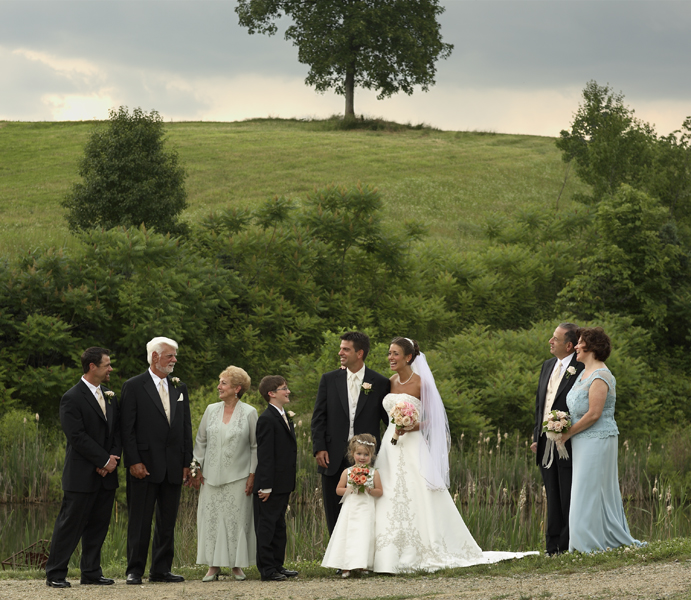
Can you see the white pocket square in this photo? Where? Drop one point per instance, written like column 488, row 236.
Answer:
column 180, row 399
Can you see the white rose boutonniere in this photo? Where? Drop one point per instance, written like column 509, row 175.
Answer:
column 366, row 387
column 570, row 371
column 109, row 394
column 175, row 381
column 290, row 414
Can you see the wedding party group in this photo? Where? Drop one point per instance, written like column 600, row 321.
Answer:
column 386, row 498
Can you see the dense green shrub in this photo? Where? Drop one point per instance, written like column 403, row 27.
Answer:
column 128, row 177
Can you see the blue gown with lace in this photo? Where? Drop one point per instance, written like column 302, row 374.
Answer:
column 596, row 519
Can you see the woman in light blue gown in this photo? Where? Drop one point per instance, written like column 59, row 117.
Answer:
column 596, row 519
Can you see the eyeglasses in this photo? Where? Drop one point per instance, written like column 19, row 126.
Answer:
column 282, row 389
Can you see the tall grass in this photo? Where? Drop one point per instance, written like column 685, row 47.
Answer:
column 30, row 465
column 495, row 484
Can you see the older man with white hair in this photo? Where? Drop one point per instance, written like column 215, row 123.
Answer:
column 156, row 434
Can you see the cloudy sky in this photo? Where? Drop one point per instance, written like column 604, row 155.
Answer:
column 518, row 65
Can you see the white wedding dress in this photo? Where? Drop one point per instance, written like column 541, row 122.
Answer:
column 417, row 528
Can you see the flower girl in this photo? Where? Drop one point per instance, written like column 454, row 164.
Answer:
column 352, row 542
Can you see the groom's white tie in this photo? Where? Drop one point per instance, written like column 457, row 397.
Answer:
column 353, row 395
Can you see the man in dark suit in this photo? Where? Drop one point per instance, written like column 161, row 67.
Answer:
column 349, row 402
column 90, row 420
column 157, row 441
column 556, row 379
column 274, row 479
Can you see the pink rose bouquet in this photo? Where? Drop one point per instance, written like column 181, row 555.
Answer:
column 405, row 417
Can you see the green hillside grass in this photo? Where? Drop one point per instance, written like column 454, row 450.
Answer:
column 450, row 181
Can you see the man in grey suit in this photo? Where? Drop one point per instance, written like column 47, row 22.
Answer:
column 557, row 377
column 90, row 420
column 157, row 441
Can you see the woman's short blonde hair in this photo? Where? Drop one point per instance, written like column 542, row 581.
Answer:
column 237, row 376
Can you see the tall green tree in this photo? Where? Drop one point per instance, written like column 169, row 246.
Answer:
column 386, row 45
column 128, row 177
column 607, row 143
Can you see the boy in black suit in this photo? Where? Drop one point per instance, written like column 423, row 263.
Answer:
column 274, row 479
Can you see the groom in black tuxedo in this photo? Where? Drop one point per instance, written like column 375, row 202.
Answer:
column 556, row 379
column 274, row 479
column 90, row 420
column 349, row 402
column 157, row 441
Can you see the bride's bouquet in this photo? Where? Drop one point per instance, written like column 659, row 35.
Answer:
column 557, row 422
column 404, row 416
column 360, row 478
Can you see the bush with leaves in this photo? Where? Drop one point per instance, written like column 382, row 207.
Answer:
column 637, row 268
column 128, row 177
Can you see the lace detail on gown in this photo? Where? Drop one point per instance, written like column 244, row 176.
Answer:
column 416, row 528
column 578, row 403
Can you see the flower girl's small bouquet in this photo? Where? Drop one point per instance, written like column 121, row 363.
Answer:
column 360, row 478
column 404, row 416
column 557, row 422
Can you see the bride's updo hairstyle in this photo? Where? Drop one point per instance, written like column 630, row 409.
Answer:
column 408, row 347
column 596, row 341
column 366, row 440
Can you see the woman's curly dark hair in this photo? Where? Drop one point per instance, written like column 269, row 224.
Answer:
column 596, row 341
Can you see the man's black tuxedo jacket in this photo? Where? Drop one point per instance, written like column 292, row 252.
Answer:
column 331, row 416
column 91, row 439
column 147, row 437
column 565, row 385
column 277, row 452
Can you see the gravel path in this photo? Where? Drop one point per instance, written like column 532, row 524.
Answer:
column 646, row 582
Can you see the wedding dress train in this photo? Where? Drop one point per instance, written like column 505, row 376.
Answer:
column 417, row 528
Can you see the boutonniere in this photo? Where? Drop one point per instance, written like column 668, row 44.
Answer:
column 175, row 381
column 366, row 387
column 109, row 394
column 570, row 371
column 290, row 414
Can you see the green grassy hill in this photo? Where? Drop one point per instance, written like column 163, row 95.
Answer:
column 449, row 180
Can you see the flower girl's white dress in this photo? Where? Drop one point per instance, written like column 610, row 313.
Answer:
column 352, row 541
column 418, row 528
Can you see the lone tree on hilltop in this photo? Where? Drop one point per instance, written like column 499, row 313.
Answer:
column 386, row 45
column 128, row 177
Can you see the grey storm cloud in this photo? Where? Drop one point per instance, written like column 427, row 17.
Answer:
column 517, row 46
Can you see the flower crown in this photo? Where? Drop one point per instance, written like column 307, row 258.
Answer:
column 364, row 442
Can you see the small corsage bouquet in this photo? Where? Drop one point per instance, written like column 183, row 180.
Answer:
column 175, row 381
column 404, row 416
column 109, row 394
column 360, row 478
column 570, row 371
column 557, row 422
column 366, row 387
column 195, row 467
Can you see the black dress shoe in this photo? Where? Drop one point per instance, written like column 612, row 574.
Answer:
column 165, row 578
column 100, row 581
column 274, row 577
column 133, row 579
column 58, row 583
column 289, row 573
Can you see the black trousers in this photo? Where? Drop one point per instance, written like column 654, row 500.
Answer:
column 85, row 516
column 142, row 498
column 557, row 480
column 270, row 529
column 332, row 501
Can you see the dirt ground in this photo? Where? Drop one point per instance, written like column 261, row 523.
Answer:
column 666, row 580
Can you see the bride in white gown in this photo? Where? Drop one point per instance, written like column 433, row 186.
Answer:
column 417, row 525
